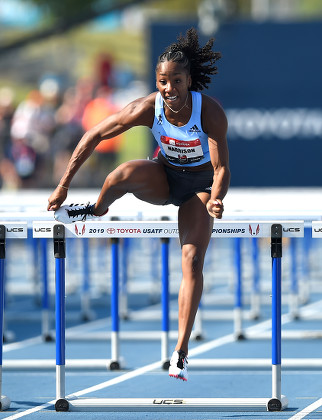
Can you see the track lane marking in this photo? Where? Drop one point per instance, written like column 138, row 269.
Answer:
column 307, row 410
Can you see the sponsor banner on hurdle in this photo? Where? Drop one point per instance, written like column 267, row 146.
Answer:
column 15, row 230
column 166, row 229
column 316, row 229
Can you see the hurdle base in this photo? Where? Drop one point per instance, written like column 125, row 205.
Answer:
column 240, row 336
column 4, row 403
column 48, row 338
column 62, row 405
column 166, row 364
column 177, row 404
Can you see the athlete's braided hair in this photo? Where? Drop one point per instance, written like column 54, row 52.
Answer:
column 198, row 61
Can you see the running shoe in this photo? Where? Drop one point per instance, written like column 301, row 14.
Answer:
column 75, row 213
column 178, row 365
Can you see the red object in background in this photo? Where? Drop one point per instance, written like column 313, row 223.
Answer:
column 96, row 111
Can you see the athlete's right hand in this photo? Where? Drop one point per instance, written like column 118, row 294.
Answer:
column 57, row 198
column 215, row 208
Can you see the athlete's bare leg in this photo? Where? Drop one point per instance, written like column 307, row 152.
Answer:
column 146, row 179
column 195, row 227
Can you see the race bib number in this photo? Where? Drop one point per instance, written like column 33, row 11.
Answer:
column 182, row 152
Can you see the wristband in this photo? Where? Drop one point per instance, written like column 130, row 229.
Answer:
column 62, row 186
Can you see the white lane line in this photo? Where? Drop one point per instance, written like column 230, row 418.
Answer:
column 22, row 344
column 94, row 388
column 307, row 410
column 30, row 411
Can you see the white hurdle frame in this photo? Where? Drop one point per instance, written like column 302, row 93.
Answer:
column 275, row 230
column 15, row 230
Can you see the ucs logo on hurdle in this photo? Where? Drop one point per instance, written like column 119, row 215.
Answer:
column 168, row 401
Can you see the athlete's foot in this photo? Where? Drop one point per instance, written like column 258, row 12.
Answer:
column 76, row 213
column 178, row 365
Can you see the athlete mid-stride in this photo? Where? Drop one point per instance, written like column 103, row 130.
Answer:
column 190, row 171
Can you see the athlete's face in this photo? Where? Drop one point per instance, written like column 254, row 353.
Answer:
column 173, row 82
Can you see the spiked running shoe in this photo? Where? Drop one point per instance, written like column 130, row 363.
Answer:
column 178, row 365
column 76, row 213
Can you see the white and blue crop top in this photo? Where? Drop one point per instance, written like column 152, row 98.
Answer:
column 186, row 145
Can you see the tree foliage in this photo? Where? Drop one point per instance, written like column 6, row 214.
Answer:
column 57, row 9
column 66, row 15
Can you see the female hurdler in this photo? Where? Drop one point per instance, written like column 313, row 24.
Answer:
column 191, row 170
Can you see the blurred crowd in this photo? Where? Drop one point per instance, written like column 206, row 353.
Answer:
column 38, row 135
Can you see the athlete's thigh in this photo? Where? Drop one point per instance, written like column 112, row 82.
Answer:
column 147, row 180
column 195, row 223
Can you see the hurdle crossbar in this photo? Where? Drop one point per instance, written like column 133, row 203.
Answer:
column 165, row 229
column 194, row 363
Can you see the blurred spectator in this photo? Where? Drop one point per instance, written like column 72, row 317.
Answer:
column 38, row 136
column 9, row 178
column 69, row 128
column 105, row 70
column 32, row 126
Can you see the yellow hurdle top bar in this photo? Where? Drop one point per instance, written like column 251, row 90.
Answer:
column 167, row 229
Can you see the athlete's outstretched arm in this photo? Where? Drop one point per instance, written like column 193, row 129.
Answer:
column 138, row 112
column 215, row 124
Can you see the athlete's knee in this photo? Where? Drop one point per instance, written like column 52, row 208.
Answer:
column 192, row 258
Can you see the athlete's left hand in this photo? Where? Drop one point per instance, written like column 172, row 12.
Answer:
column 215, row 208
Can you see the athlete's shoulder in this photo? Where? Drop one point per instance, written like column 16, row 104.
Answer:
column 210, row 101
column 212, row 105
column 145, row 103
column 212, row 112
column 140, row 111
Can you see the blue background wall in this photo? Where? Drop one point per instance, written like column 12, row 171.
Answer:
column 270, row 85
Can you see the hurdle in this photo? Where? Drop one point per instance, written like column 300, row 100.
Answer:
column 28, row 217
column 312, row 312
column 216, row 314
column 7, row 230
column 40, row 252
column 44, row 229
column 293, row 297
column 114, row 230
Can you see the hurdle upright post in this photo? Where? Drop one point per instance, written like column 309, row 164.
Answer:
column 165, row 302
column 294, row 294
column 115, row 339
column 238, row 329
column 60, row 255
column 5, row 402
column 276, row 254
column 45, row 330
column 123, row 310
column 86, row 313
column 255, row 298
column 115, row 317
